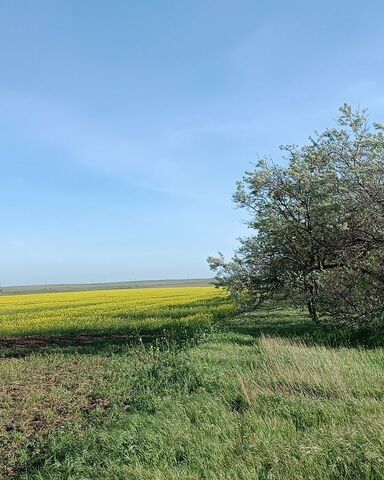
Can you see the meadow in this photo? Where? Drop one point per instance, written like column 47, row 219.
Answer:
column 170, row 384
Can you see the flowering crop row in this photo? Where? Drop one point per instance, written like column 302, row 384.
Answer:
column 111, row 311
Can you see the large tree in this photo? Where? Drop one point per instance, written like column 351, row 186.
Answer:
column 317, row 225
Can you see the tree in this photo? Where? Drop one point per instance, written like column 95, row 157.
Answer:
column 317, row 225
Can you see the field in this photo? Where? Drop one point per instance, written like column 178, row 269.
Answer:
column 80, row 287
column 141, row 311
column 169, row 384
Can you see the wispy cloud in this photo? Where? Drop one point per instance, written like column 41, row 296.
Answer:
column 167, row 158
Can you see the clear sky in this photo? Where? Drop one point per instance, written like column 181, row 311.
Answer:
column 125, row 124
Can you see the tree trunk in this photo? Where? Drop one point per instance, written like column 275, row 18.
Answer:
column 311, row 303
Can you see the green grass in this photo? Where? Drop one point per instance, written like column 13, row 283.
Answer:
column 265, row 396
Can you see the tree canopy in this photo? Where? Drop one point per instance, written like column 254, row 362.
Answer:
column 317, row 226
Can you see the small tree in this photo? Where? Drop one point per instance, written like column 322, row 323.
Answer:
column 318, row 225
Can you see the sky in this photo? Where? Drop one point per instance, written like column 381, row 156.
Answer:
column 125, row 124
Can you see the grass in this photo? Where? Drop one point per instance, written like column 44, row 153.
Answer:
column 262, row 396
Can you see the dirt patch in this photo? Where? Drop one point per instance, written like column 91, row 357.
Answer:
column 39, row 341
column 41, row 397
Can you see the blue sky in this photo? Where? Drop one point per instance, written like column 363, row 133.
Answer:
column 125, row 124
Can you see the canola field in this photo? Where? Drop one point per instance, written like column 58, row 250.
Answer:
column 147, row 311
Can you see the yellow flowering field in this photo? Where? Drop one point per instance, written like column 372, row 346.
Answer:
column 111, row 311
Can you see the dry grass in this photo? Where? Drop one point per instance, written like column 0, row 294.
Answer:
column 293, row 368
